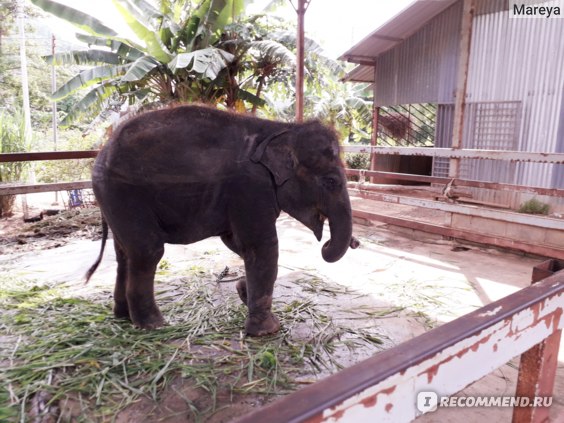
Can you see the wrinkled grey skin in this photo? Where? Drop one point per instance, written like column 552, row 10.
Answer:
column 184, row 174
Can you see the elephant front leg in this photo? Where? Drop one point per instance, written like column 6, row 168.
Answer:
column 261, row 266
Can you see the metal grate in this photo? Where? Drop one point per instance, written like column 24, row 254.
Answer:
column 407, row 125
column 491, row 126
column 443, row 138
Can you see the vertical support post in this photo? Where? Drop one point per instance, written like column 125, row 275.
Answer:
column 375, row 123
column 25, row 94
column 23, row 65
column 461, row 83
column 537, row 369
column 54, row 103
column 300, row 10
column 53, row 89
column 374, row 141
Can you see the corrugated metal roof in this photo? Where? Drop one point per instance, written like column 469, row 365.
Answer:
column 396, row 30
column 361, row 73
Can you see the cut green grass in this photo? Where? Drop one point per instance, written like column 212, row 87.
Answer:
column 71, row 350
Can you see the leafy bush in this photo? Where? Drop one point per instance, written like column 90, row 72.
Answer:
column 534, row 206
column 69, row 170
column 12, row 139
column 357, row 161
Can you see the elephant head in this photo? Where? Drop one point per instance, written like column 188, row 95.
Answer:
column 310, row 181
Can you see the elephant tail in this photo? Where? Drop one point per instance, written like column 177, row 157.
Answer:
column 99, row 259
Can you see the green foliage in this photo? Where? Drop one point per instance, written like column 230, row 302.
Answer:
column 204, row 51
column 10, row 80
column 326, row 97
column 357, row 161
column 69, row 170
column 534, row 206
column 181, row 55
column 12, row 140
column 164, row 264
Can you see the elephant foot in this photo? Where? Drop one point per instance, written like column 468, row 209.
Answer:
column 148, row 320
column 121, row 310
column 262, row 324
column 242, row 290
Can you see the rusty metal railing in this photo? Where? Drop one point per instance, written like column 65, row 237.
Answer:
column 443, row 360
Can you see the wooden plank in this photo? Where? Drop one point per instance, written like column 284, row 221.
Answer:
column 460, row 182
column 461, row 83
column 468, row 210
column 515, row 156
column 47, row 155
column 385, row 387
column 496, row 241
column 14, row 189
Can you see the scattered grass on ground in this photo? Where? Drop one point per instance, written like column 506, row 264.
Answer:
column 60, row 349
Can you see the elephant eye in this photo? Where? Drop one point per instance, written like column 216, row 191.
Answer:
column 330, row 183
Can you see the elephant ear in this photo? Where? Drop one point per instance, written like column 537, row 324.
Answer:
column 277, row 155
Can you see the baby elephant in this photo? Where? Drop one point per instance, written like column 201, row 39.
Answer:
column 183, row 174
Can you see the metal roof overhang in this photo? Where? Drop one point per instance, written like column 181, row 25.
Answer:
column 393, row 32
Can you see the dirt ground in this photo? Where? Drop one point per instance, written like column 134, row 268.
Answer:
column 431, row 280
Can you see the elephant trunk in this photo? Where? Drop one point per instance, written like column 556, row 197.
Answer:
column 340, row 224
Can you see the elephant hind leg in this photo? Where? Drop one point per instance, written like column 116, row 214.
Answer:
column 121, row 310
column 140, row 291
column 242, row 289
column 241, row 286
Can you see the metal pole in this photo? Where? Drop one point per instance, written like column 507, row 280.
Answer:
column 461, row 83
column 25, row 95
column 53, row 89
column 23, row 64
column 54, row 104
column 300, row 10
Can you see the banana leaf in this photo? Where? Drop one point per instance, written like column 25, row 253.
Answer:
column 155, row 46
column 88, row 78
column 127, row 50
column 251, row 98
column 92, row 103
column 83, row 57
column 274, row 51
column 207, row 62
column 139, row 69
column 77, row 18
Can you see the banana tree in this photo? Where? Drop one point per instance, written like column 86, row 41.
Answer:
column 177, row 55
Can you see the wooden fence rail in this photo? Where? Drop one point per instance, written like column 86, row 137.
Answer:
column 455, row 153
column 47, row 155
column 399, row 384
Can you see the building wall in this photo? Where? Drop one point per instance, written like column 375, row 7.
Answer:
column 422, row 69
column 521, row 60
